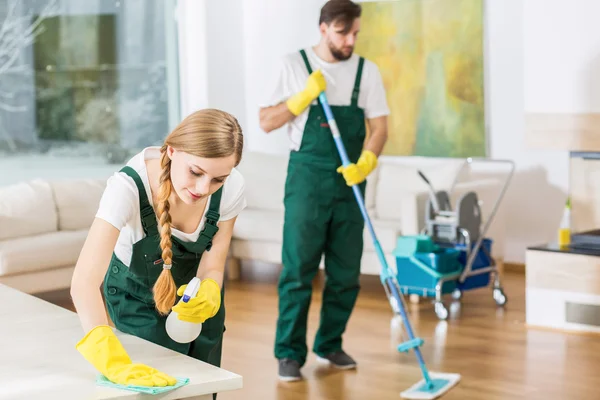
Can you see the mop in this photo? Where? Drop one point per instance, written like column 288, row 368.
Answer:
column 433, row 384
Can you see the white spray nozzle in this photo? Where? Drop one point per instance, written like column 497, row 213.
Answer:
column 191, row 290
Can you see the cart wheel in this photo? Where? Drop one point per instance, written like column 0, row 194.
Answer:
column 499, row 297
column 440, row 310
column 457, row 294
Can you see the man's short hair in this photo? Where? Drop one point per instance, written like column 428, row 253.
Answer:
column 344, row 11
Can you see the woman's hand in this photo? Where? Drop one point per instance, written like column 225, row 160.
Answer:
column 101, row 348
column 203, row 306
column 207, row 301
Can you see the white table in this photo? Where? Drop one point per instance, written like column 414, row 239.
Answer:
column 38, row 359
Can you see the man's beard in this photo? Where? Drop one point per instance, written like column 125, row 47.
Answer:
column 339, row 54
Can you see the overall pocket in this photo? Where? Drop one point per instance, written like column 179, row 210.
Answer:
column 125, row 294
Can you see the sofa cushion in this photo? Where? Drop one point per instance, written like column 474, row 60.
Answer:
column 77, row 202
column 264, row 175
column 262, row 225
column 27, row 209
column 45, row 251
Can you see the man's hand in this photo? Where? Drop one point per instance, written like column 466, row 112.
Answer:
column 357, row 173
column 315, row 84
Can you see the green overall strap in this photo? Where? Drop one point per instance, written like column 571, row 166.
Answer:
column 146, row 211
column 356, row 89
column 303, row 53
column 212, row 217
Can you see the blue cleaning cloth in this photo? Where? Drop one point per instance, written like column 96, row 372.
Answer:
column 102, row 381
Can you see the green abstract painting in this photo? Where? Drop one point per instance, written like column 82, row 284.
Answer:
column 430, row 54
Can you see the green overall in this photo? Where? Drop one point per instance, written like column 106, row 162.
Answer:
column 321, row 217
column 128, row 290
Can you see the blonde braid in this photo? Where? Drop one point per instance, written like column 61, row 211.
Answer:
column 206, row 133
column 165, row 290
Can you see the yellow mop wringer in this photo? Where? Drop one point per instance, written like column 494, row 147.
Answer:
column 433, row 384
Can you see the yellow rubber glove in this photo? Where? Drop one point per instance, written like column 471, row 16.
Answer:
column 357, row 173
column 202, row 307
column 315, row 84
column 101, row 348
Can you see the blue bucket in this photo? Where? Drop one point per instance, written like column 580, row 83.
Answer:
column 482, row 260
column 420, row 272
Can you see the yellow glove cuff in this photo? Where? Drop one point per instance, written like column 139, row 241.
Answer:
column 101, row 348
column 298, row 102
column 208, row 282
column 367, row 161
column 212, row 287
column 95, row 334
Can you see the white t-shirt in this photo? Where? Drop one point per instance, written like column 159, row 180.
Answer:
column 120, row 205
column 291, row 76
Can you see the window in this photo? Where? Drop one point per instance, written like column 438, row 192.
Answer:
column 84, row 85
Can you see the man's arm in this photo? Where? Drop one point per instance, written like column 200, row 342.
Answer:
column 275, row 117
column 378, row 129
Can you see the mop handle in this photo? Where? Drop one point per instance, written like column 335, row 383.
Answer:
column 387, row 277
column 361, row 203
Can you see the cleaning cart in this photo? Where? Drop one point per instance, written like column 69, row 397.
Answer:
column 452, row 255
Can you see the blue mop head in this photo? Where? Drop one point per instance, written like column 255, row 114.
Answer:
column 441, row 384
column 102, row 381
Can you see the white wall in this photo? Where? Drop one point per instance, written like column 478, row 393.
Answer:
column 562, row 62
column 538, row 189
column 561, row 76
column 272, row 28
column 532, row 65
column 226, row 66
column 193, row 54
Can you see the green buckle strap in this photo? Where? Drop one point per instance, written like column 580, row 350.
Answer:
column 148, row 220
column 210, row 228
column 212, row 218
column 146, row 211
column 356, row 90
column 208, row 233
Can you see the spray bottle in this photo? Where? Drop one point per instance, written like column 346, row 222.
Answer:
column 564, row 233
column 183, row 331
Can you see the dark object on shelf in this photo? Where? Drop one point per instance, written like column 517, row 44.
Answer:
column 586, row 240
column 556, row 248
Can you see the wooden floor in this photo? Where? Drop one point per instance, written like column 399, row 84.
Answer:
column 497, row 356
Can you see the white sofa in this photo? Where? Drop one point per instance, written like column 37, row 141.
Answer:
column 44, row 223
column 395, row 200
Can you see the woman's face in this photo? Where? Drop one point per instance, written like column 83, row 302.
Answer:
column 195, row 178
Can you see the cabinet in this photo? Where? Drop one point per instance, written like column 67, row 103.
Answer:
column 563, row 288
